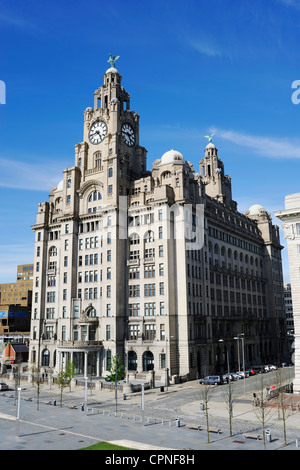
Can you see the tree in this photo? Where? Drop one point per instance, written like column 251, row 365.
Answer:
column 281, row 403
column 64, row 378
column 229, row 399
column 116, row 370
column 261, row 409
column 70, row 372
column 38, row 382
column 116, row 374
column 205, row 395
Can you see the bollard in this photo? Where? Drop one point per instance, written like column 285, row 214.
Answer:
column 177, row 422
column 268, row 435
column 54, row 402
column 81, row 407
column 124, row 396
column 201, row 405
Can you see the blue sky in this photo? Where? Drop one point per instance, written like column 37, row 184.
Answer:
column 190, row 67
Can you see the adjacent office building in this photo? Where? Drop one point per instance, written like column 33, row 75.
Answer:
column 290, row 217
column 158, row 266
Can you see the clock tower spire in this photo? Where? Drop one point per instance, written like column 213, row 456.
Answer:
column 111, row 138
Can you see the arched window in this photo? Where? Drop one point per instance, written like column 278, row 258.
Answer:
column 95, row 196
column 149, row 236
column 132, row 360
column 46, row 358
column 92, row 313
column 148, row 361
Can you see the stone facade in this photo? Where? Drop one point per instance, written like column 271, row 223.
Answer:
column 290, row 218
column 157, row 265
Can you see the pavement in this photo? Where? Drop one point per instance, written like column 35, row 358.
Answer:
column 169, row 422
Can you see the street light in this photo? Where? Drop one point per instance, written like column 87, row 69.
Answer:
column 240, row 336
column 229, row 384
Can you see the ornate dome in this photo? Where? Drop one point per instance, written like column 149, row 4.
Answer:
column 256, row 209
column 210, row 146
column 171, row 156
column 60, row 186
column 112, row 70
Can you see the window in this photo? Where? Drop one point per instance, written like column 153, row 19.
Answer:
column 110, row 172
column 134, row 310
column 149, row 236
column 149, row 271
column 51, row 296
column 150, row 332
column 161, row 308
column 134, row 272
column 161, row 250
column 107, row 332
column 150, row 309
column 98, row 159
column 110, row 189
column 108, row 310
column 133, row 331
column 149, row 290
column 149, row 253
column 162, row 333
column 161, row 288
column 134, row 291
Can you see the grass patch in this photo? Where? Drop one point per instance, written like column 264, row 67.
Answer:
column 106, row 446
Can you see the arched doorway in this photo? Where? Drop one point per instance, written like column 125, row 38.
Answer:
column 148, row 361
column 132, row 360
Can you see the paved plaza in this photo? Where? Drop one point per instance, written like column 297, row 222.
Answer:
column 169, row 421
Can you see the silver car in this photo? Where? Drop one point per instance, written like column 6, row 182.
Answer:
column 3, row 386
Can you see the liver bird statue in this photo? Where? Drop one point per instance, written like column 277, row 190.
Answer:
column 112, row 59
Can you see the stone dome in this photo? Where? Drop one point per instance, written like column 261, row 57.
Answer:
column 112, row 70
column 256, row 209
column 171, row 156
column 60, row 186
column 210, row 146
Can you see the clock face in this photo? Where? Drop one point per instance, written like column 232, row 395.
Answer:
column 97, row 132
column 128, row 135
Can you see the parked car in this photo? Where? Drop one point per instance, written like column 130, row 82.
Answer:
column 272, row 367
column 258, row 369
column 242, row 374
column 212, row 380
column 3, row 386
column 251, row 371
column 227, row 377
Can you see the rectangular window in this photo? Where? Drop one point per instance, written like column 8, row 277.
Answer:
column 134, row 291
column 134, row 310
column 150, row 332
column 150, row 309
column 107, row 332
column 149, row 290
column 133, row 332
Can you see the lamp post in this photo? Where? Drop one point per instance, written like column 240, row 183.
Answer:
column 229, row 384
column 18, row 411
column 240, row 336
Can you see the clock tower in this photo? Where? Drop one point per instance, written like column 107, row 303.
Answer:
column 111, row 140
